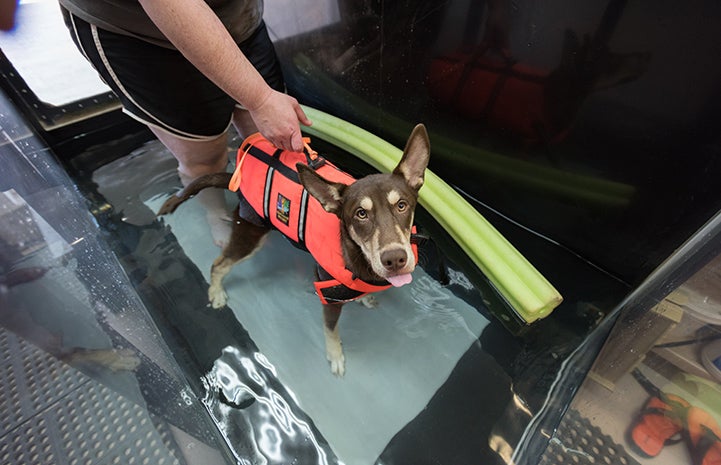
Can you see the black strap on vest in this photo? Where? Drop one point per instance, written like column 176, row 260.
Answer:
column 273, row 160
column 341, row 293
column 276, row 166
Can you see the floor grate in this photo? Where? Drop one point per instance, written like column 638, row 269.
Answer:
column 53, row 414
column 579, row 442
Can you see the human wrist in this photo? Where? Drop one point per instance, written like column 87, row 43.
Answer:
column 258, row 99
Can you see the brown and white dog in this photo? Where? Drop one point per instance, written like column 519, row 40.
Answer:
column 374, row 217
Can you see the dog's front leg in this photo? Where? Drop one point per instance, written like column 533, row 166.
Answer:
column 333, row 346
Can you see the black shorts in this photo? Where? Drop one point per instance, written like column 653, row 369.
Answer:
column 159, row 87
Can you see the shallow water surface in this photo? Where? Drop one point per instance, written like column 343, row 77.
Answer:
column 430, row 374
column 397, row 355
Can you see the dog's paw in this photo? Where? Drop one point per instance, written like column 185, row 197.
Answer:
column 217, row 296
column 369, row 301
column 337, row 364
column 334, row 351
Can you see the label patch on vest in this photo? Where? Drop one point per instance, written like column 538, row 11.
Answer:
column 282, row 209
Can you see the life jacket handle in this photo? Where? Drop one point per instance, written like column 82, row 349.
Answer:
column 234, row 184
column 315, row 161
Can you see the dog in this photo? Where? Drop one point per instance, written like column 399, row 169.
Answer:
column 365, row 244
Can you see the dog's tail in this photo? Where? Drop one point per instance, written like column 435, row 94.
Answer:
column 219, row 180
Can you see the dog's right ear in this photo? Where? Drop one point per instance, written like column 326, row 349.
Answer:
column 415, row 158
column 329, row 194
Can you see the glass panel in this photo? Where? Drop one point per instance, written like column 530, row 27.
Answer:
column 85, row 373
column 654, row 392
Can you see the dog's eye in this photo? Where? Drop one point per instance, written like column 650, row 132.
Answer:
column 361, row 214
column 402, row 205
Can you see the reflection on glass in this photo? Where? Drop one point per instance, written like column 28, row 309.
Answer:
column 655, row 390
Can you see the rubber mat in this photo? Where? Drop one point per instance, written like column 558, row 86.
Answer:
column 579, row 442
column 53, row 414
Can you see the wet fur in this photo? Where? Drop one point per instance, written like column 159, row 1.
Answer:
column 375, row 240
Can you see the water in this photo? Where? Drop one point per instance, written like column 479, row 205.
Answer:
column 428, row 373
column 398, row 355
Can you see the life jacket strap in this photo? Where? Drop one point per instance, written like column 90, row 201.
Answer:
column 234, row 184
column 333, row 292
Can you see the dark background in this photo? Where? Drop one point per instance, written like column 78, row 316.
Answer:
column 627, row 96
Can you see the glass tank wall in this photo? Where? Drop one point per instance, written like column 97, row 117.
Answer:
column 593, row 123
column 586, row 133
column 86, row 374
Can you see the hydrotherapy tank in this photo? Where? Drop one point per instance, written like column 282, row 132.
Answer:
column 587, row 134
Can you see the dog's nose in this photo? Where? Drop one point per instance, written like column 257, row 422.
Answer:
column 394, row 259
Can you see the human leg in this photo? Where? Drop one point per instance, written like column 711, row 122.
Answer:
column 184, row 110
column 196, row 158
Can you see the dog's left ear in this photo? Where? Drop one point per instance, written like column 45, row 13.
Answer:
column 328, row 193
column 415, row 157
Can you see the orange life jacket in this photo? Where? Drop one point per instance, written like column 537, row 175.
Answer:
column 268, row 181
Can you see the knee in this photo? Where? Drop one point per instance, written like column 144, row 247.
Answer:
column 201, row 164
column 197, row 159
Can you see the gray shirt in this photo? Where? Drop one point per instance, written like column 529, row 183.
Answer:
column 240, row 17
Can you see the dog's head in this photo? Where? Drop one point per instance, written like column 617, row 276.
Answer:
column 376, row 211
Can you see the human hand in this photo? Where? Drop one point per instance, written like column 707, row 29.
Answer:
column 278, row 119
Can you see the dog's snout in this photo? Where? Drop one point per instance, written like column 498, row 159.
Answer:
column 394, row 259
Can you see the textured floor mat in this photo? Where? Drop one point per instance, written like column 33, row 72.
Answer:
column 579, row 442
column 53, row 414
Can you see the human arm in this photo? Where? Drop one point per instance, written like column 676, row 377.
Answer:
column 201, row 37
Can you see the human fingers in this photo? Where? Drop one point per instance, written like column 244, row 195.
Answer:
column 302, row 118
column 296, row 142
column 279, row 119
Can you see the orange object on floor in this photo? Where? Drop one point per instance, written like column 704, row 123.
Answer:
column 657, row 424
column 704, row 437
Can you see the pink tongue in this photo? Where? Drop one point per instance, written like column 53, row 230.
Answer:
column 400, row 279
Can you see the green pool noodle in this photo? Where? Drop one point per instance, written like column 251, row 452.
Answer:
column 523, row 287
